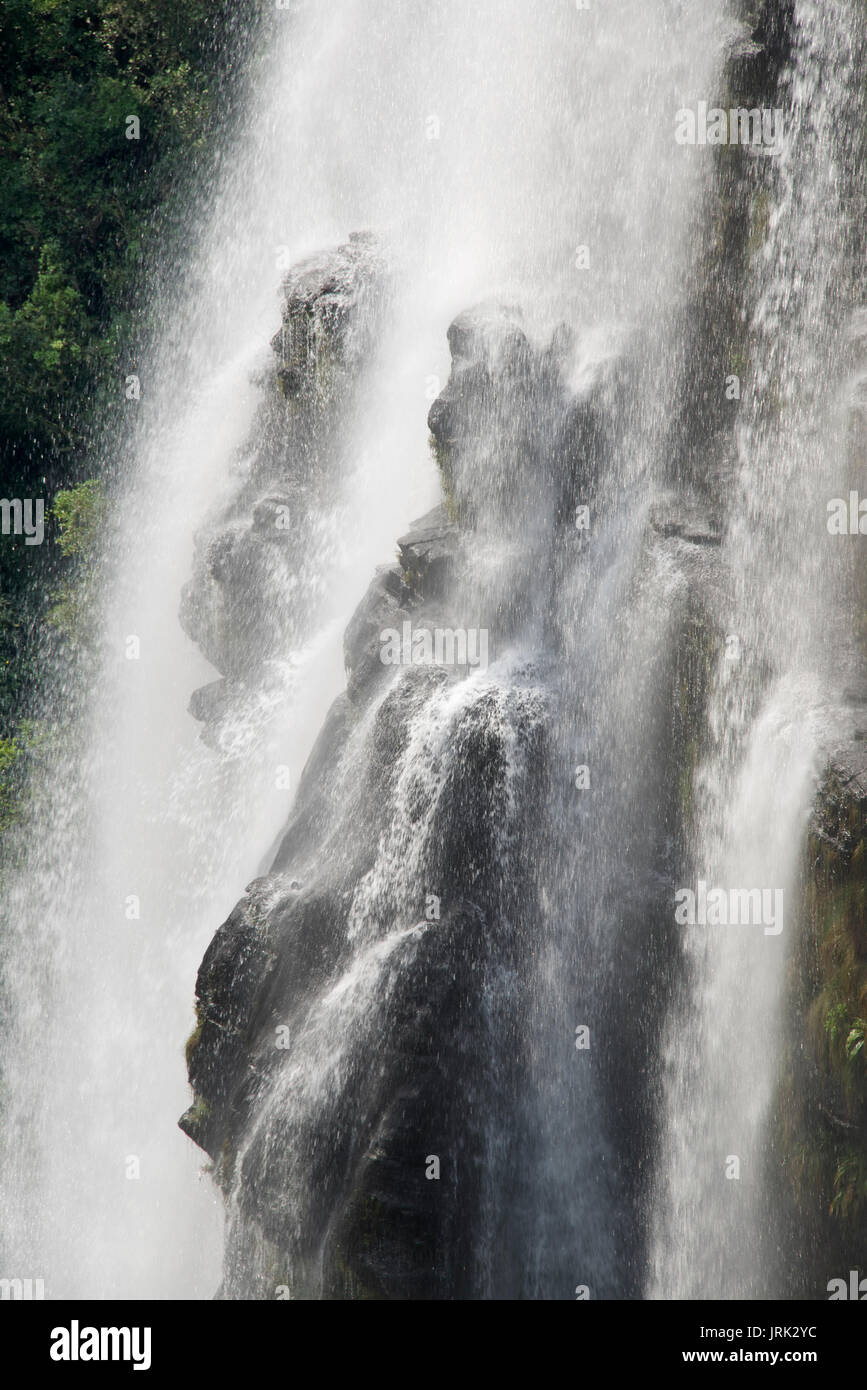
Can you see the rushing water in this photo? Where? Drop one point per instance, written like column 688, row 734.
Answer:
column 526, row 167
column 492, row 156
column 776, row 685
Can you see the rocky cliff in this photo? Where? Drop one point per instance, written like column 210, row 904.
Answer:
column 368, row 1073
column 361, row 1051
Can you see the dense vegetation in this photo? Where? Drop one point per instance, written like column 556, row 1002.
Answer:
column 83, row 208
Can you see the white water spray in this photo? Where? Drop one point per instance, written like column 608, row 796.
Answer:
column 713, row 1236
column 485, row 152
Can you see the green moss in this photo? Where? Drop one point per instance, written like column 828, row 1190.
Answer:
column 824, row 1096
column 685, row 781
column 740, row 363
column 327, row 375
column 194, row 1038
column 849, row 1199
column 443, row 458
column 197, row 1123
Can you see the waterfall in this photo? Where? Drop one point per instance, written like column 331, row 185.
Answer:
column 788, row 654
column 397, row 809
column 142, row 836
column 441, row 363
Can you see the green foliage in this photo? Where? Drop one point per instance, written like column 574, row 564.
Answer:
column 82, row 211
column 80, row 513
column 10, row 754
column 835, row 1023
column 79, row 201
column 759, row 222
column 849, row 1200
column 44, row 346
column 16, row 755
column 846, row 1056
column 194, row 1038
column 827, row 1088
column 444, row 462
column 855, row 1042
column 11, row 648
column 68, row 612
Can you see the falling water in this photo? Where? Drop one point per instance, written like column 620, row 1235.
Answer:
column 532, row 163
column 788, row 652
column 525, row 168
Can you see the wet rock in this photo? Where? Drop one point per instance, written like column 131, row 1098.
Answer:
column 585, row 441
column 391, row 935
column 227, row 985
column 256, row 591
column 272, row 517
column 347, row 1175
column 326, row 313
column 490, row 333
column 212, row 703
column 380, row 609
column 427, row 554
column 823, row 1145
column 485, row 422
column 512, row 411
column 686, row 520
column 401, row 593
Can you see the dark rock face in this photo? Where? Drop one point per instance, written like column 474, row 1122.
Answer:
column 412, row 591
column 328, row 313
column 506, row 421
column 361, row 1066
column 821, row 1141
column 427, row 553
column 257, row 589
column 379, row 1046
column 347, row 1158
column 687, row 520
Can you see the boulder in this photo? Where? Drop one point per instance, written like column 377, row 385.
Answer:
column 329, row 305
